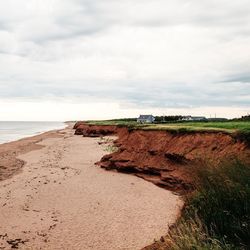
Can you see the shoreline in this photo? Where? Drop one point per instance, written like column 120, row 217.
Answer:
column 9, row 151
column 34, row 134
column 61, row 200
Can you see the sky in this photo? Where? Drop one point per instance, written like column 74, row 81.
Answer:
column 100, row 59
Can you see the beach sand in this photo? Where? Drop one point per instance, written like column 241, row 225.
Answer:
column 61, row 200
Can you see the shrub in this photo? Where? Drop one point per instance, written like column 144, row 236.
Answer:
column 217, row 214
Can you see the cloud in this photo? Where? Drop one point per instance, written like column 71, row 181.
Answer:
column 242, row 77
column 164, row 54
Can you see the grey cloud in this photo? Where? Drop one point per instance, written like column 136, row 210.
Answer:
column 169, row 96
column 242, row 77
column 91, row 17
column 44, row 54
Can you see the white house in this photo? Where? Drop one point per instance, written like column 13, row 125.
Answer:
column 193, row 118
column 146, row 119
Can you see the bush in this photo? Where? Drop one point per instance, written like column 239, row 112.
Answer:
column 191, row 235
column 217, row 214
column 243, row 136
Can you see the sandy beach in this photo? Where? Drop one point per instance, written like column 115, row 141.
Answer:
column 61, row 200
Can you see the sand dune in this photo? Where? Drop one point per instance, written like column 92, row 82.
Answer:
column 61, row 200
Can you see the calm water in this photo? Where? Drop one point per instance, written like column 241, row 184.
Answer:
column 12, row 131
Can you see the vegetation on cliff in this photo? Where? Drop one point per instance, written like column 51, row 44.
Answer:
column 217, row 214
column 227, row 126
column 240, row 129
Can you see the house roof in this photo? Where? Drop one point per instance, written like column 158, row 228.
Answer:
column 145, row 117
column 194, row 117
column 198, row 117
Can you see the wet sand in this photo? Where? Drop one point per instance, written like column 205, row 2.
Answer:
column 61, row 200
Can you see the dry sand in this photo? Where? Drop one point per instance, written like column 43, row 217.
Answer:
column 61, row 200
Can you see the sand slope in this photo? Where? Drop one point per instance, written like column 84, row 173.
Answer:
column 61, row 200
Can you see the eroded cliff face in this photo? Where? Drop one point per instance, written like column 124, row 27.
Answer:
column 94, row 130
column 165, row 158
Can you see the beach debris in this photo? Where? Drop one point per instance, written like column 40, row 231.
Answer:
column 15, row 243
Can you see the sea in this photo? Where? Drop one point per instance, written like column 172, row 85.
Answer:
column 15, row 130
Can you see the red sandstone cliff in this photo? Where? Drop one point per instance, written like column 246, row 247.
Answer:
column 165, row 158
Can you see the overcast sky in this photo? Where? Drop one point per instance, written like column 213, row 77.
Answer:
column 89, row 59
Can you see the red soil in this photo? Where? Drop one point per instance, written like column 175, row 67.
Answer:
column 165, row 158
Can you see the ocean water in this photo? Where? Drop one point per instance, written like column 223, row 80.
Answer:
column 12, row 131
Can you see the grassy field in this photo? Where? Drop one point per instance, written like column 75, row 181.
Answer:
column 231, row 126
column 228, row 126
column 238, row 129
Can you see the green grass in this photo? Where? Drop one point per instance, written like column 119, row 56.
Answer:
column 240, row 130
column 108, row 144
column 112, row 122
column 227, row 126
column 192, row 235
column 217, row 215
column 232, row 126
column 110, row 149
